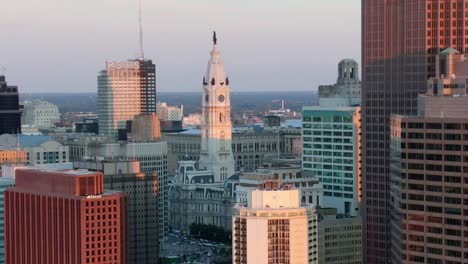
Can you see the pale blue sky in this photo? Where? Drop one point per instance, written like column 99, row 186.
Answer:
column 60, row 45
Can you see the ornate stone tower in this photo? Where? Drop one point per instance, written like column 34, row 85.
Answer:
column 216, row 152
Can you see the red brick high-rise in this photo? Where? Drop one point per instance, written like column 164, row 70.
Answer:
column 400, row 39
column 57, row 217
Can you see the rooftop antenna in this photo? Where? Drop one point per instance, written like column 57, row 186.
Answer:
column 142, row 54
column 2, row 70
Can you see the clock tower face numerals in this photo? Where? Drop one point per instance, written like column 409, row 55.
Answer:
column 221, row 98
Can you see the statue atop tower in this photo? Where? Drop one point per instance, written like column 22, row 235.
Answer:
column 216, row 151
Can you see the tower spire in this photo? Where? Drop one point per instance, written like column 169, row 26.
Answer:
column 215, row 39
column 142, row 54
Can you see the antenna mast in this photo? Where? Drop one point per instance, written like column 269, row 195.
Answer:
column 142, row 54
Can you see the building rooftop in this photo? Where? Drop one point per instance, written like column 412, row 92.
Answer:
column 66, row 182
column 449, row 51
column 33, row 140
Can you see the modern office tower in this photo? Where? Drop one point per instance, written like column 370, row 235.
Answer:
column 10, row 110
column 148, row 86
column 142, row 199
column 125, row 89
column 429, row 170
column 4, row 184
column 274, row 228
column 152, row 157
column 40, row 114
column 347, row 90
column 39, row 149
column 61, row 217
column 399, row 42
column 339, row 238
column 332, row 152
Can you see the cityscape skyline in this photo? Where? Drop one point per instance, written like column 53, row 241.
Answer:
column 266, row 48
column 152, row 160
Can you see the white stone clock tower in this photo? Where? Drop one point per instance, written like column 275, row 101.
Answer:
column 216, row 151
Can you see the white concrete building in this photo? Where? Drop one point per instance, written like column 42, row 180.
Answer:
column 274, row 228
column 347, row 90
column 216, row 150
column 40, row 114
column 39, row 149
column 205, row 195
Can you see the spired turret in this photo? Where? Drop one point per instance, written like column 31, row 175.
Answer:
column 216, row 151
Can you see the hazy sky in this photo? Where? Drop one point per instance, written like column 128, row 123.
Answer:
column 60, row 45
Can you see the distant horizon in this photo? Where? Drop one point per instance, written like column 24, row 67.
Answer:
column 232, row 92
column 265, row 44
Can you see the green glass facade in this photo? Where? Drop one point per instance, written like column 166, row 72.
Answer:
column 4, row 184
column 330, row 151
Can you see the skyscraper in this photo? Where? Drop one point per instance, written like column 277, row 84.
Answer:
column 61, row 217
column 274, row 228
column 331, row 136
column 143, row 211
column 399, row 42
column 125, row 89
column 10, row 112
column 429, row 169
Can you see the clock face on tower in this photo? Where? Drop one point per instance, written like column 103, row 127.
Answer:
column 221, row 98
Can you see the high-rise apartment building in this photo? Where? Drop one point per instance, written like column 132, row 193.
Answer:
column 331, row 140
column 274, row 228
column 429, row 170
column 331, row 147
column 10, row 111
column 142, row 190
column 399, row 42
column 125, row 89
column 58, row 217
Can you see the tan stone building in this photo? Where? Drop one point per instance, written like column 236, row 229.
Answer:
column 274, row 228
column 339, row 238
